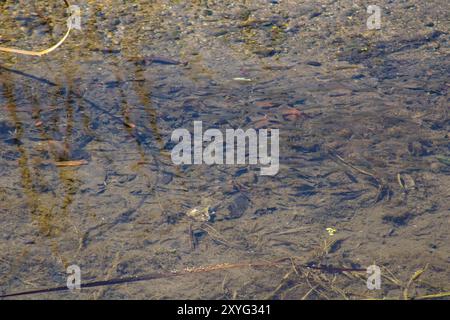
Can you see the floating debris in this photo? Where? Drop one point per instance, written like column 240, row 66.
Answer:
column 73, row 163
column 129, row 124
column 405, row 181
column 201, row 214
column 242, row 79
column 331, row 231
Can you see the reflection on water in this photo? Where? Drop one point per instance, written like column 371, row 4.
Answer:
column 87, row 176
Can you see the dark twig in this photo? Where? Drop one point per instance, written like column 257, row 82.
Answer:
column 186, row 271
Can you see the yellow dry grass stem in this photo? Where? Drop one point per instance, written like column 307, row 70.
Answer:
column 46, row 51
column 434, row 296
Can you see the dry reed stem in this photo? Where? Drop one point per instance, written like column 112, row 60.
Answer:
column 46, row 51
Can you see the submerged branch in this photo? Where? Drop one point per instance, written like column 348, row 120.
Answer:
column 187, row 271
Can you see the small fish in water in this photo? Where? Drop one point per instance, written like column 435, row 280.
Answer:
column 291, row 114
column 157, row 59
column 265, row 104
column 107, row 51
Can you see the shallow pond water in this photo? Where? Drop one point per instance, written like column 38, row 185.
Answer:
column 364, row 148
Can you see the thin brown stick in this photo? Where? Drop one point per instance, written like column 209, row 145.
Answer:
column 356, row 168
column 73, row 163
column 183, row 272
